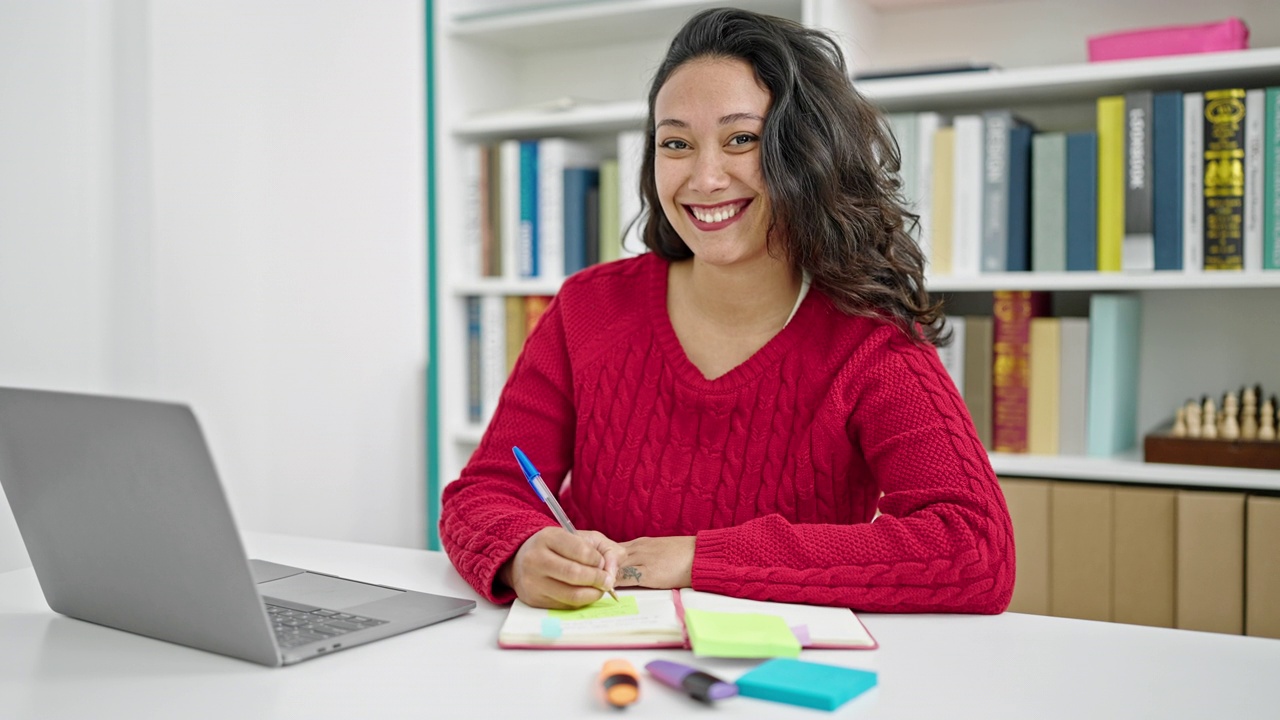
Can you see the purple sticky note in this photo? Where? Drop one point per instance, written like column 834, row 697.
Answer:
column 802, row 635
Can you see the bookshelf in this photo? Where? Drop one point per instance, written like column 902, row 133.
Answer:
column 581, row 69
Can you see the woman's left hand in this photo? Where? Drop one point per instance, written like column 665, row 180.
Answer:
column 658, row 562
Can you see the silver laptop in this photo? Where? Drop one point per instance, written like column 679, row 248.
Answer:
column 127, row 525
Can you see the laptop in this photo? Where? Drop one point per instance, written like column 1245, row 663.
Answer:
column 127, row 526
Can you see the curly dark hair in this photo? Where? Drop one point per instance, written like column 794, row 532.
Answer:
column 830, row 166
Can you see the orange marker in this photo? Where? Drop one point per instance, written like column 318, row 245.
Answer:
column 620, row 683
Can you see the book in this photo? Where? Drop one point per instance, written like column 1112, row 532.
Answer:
column 1043, row 387
column 905, row 133
column 1082, row 201
column 579, row 184
column 1114, row 329
column 490, row 212
column 473, row 159
column 1262, row 570
column 1255, row 103
column 1224, row 118
column 527, row 253
column 1073, row 377
column 1137, row 250
column 1049, row 202
column 1010, row 378
column 1167, row 182
column 1006, row 175
column 1193, row 187
column 515, row 319
column 657, row 618
column 927, row 124
column 1028, row 503
column 631, row 221
column 556, row 158
column 966, row 194
column 1210, row 573
column 978, row 360
column 1110, row 183
column 475, row 402
column 509, row 167
column 493, row 353
column 1144, row 556
column 1271, row 183
column 610, row 239
column 952, row 356
column 942, row 208
column 1082, row 550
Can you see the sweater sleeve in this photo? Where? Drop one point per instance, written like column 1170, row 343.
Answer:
column 490, row 510
column 943, row 542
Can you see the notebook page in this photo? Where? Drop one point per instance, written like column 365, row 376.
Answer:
column 655, row 619
column 826, row 625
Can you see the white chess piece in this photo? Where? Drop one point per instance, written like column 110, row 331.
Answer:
column 1249, row 415
column 1230, row 429
column 1209, row 430
column 1180, row 422
column 1193, row 418
column 1267, row 431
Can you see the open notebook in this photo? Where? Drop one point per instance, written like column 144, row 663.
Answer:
column 657, row 618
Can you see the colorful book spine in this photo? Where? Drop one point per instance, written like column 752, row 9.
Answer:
column 978, row 363
column 527, row 254
column 996, row 127
column 943, row 210
column 1018, row 254
column 1110, row 183
column 1138, row 246
column 555, row 157
column 1224, row 117
column 1043, row 399
column 1114, row 330
column 1011, row 349
column 578, row 184
column 490, row 258
column 1049, row 202
column 610, row 223
column 515, row 330
column 1082, row 202
column 1193, row 188
column 1271, row 184
column 927, row 124
column 1167, row 180
column 474, row 380
column 1255, row 103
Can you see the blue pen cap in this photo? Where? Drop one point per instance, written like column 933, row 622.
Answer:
column 530, row 472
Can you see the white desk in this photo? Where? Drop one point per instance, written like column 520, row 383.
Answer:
column 1010, row 666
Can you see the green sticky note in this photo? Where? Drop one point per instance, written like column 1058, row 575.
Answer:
column 602, row 608
column 740, row 635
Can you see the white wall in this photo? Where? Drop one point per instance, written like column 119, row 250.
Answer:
column 222, row 202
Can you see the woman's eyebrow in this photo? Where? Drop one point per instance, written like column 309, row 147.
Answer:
column 726, row 120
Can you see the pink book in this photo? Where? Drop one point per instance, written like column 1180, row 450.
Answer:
column 656, row 619
column 1229, row 34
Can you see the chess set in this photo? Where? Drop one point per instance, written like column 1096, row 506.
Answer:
column 1243, row 433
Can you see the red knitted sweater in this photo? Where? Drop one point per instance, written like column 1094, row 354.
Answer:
column 776, row 466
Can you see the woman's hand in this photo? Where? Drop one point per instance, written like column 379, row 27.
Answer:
column 661, row 562
column 557, row 569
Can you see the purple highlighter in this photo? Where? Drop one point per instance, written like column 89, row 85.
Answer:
column 699, row 685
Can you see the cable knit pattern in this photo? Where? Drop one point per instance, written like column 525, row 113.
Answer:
column 776, row 466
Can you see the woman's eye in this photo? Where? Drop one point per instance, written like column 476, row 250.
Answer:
column 742, row 139
column 674, row 144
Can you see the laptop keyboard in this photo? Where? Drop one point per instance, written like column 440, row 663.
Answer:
column 299, row 627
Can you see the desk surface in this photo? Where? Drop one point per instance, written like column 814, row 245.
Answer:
column 1009, row 666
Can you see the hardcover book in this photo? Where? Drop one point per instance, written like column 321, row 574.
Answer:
column 1082, row 202
column 1043, row 387
column 1255, row 103
column 1138, row 248
column 659, row 618
column 1193, row 188
column 579, row 188
column 966, row 219
column 978, row 362
column 1049, row 202
column 943, row 203
column 1271, row 184
column 1167, row 183
column 1111, row 183
column 1006, row 197
column 1011, row 370
column 1224, row 179
column 1115, row 326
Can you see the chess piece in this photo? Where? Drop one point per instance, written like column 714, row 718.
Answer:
column 1249, row 415
column 1180, row 422
column 1230, row 429
column 1267, row 428
column 1209, row 429
column 1193, row 418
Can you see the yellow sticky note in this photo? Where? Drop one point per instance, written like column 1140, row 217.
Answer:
column 740, row 635
column 602, row 608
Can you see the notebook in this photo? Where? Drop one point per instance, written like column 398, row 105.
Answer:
column 663, row 619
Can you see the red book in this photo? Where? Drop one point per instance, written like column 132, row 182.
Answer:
column 1011, row 362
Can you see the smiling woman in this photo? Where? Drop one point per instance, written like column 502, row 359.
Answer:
column 726, row 427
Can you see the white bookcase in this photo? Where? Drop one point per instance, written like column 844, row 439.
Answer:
column 497, row 73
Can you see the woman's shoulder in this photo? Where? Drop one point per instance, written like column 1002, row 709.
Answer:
column 611, row 283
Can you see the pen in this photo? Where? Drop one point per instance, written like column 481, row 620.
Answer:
column 620, row 682
column 535, row 481
column 700, row 685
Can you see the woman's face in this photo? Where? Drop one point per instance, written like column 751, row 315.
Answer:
column 708, row 119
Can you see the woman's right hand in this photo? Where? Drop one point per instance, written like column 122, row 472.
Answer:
column 558, row 569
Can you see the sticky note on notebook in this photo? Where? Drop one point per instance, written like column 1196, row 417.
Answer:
column 812, row 685
column 602, row 608
column 739, row 635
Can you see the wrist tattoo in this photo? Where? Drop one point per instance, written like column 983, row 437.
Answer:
column 630, row 572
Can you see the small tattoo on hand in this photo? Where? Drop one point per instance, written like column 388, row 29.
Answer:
column 631, row 573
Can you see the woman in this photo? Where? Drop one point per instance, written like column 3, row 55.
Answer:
column 738, row 404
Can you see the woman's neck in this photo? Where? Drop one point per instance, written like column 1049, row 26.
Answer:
column 755, row 296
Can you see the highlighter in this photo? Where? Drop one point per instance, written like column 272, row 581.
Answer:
column 700, row 685
column 620, row 683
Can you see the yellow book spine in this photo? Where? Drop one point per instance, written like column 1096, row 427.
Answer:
column 1110, row 182
column 944, row 151
column 515, row 329
column 1043, row 386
